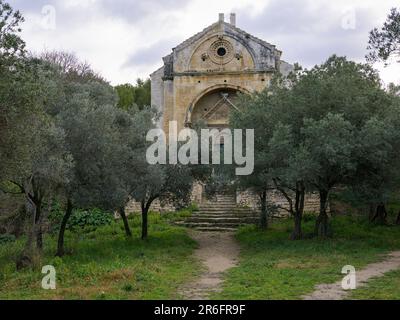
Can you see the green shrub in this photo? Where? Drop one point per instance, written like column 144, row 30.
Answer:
column 56, row 215
column 6, row 238
column 89, row 219
column 92, row 218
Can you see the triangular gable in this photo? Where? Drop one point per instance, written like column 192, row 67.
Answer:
column 204, row 32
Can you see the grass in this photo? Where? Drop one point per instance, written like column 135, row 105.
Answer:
column 384, row 288
column 273, row 267
column 104, row 264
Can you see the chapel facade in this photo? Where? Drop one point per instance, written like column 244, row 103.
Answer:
column 200, row 80
column 202, row 76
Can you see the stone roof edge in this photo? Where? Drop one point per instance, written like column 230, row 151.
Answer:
column 154, row 72
column 198, row 35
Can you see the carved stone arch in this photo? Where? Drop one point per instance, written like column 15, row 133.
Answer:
column 212, row 90
column 248, row 48
column 245, row 44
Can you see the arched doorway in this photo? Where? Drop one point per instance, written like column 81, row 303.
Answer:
column 214, row 107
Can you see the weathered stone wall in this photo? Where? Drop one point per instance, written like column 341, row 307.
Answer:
column 245, row 198
column 250, row 199
column 134, row 207
column 157, row 206
column 157, row 93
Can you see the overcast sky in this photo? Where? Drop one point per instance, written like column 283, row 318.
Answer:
column 126, row 39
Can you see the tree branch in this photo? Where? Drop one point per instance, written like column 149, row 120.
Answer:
column 283, row 208
column 284, row 193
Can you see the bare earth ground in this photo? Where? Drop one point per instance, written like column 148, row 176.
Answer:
column 218, row 251
column 335, row 292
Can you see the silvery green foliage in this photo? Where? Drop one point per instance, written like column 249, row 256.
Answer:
column 255, row 115
column 16, row 89
column 325, row 127
column 108, row 146
column 385, row 43
column 140, row 180
column 11, row 44
column 378, row 173
column 93, row 142
column 329, row 147
column 172, row 183
column 33, row 143
column 329, row 97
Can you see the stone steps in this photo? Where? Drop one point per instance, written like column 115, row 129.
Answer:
column 225, row 205
column 222, row 219
column 197, row 225
column 211, row 226
column 216, row 229
column 224, row 215
column 216, row 214
column 224, row 209
column 220, row 214
column 215, row 225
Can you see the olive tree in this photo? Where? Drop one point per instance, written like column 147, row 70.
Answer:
column 328, row 149
column 171, row 183
column 338, row 94
column 377, row 179
column 289, row 174
column 134, row 125
column 108, row 146
column 43, row 173
column 253, row 114
column 92, row 140
column 385, row 43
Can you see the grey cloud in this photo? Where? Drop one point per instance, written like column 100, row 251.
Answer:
column 66, row 18
column 132, row 11
column 306, row 32
column 74, row 16
column 151, row 55
column 309, row 34
column 30, row 6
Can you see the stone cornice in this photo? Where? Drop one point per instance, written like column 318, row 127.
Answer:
column 211, row 73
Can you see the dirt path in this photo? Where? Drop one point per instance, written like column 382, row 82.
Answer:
column 335, row 292
column 218, row 251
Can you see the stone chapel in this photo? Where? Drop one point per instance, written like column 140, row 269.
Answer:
column 200, row 80
column 202, row 75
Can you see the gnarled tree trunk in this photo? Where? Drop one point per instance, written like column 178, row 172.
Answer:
column 145, row 217
column 264, row 211
column 322, row 224
column 372, row 211
column 60, row 244
column 38, row 228
column 380, row 216
column 30, row 252
column 297, row 233
column 122, row 213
